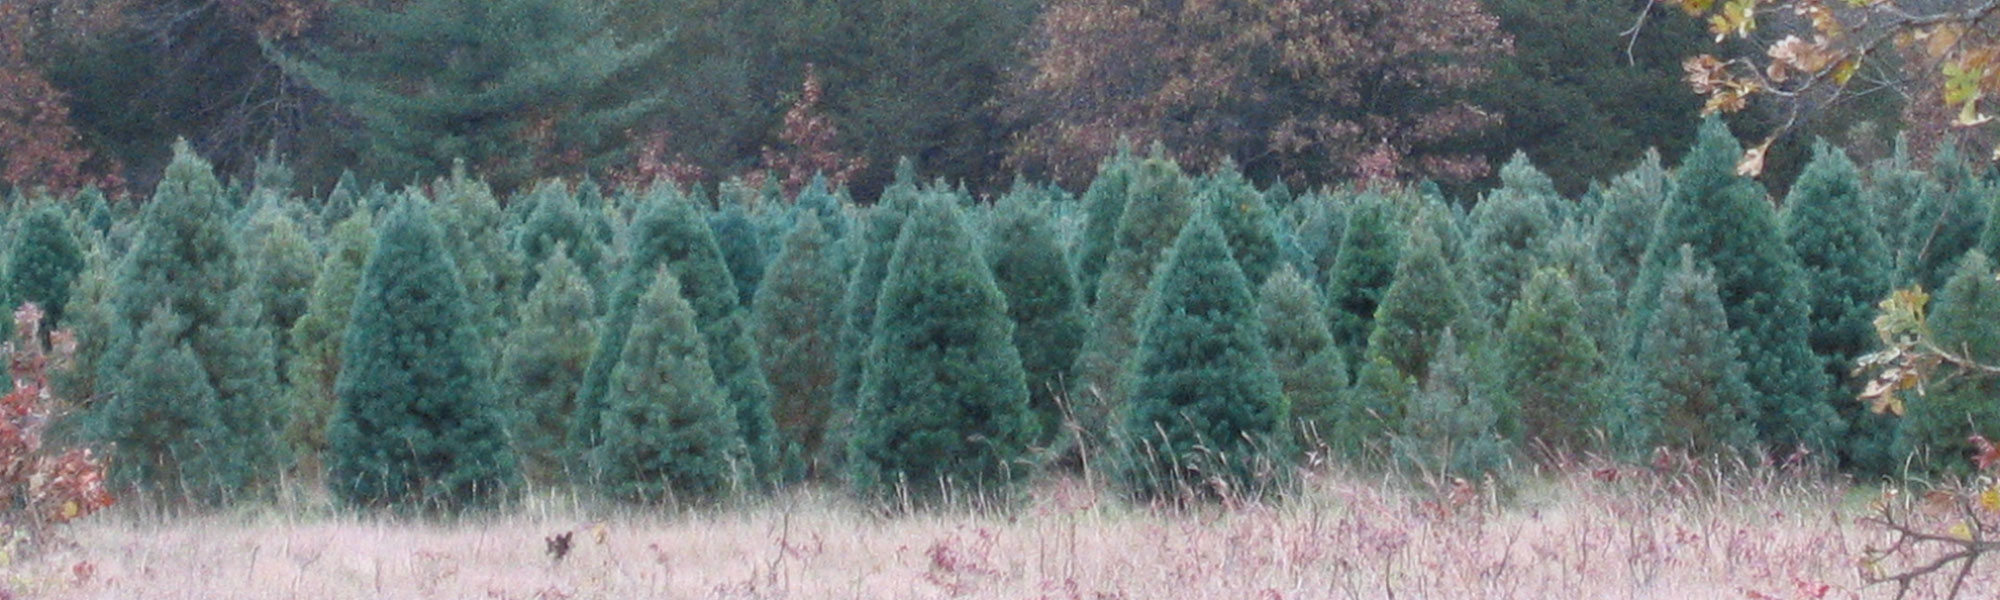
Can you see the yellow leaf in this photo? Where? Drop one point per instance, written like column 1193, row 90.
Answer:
column 1845, row 71
column 1961, row 531
column 1696, row 7
column 1969, row 115
column 70, row 510
column 1990, row 499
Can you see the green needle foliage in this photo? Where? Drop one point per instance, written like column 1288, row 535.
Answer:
column 316, row 342
column 1847, row 268
column 1103, row 206
column 542, row 366
column 1364, row 264
column 1551, row 372
column 1246, row 220
column 43, row 262
column 944, row 402
column 417, row 428
column 1206, row 409
column 796, row 321
column 1308, row 363
column 1509, row 230
column 1158, row 206
column 1451, row 424
column 668, row 432
column 1687, row 386
column 1966, row 320
column 1032, row 270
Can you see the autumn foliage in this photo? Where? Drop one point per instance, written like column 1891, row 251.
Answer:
column 41, row 487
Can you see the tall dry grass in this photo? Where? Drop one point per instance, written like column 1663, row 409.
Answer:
column 1576, row 533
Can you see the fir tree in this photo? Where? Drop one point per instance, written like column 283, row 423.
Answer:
column 474, row 230
column 743, row 248
column 542, row 365
column 1308, row 364
column 1246, row 220
column 434, row 81
column 872, row 249
column 163, row 415
column 43, row 262
column 1157, row 207
column 1623, row 222
column 1687, row 386
column 1205, row 403
column 315, row 349
column 668, row 431
column 795, row 319
column 186, row 263
column 1945, row 222
column 1967, row 320
column 1729, row 225
column 1451, row 421
column 1365, row 263
column 1104, row 206
column 1032, row 270
column 1422, row 302
column 557, row 220
column 415, row 427
column 1571, row 252
column 281, row 265
column 1551, row 373
column 1847, row 268
column 944, row 401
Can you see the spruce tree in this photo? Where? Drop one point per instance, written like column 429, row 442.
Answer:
column 1934, row 430
column 280, row 265
column 542, row 366
column 1032, row 270
column 186, row 263
column 871, row 249
column 944, row 402
column 1103, row 206
column 1687, row 387
column 1451, row 423
column 1204, row 403
column 1309, row 365
column 668, row 431
column 1847, row 268
column 1364, row 264
column 557, row 220
column 1945, row 222
column 1731, row 227
column 1416, row 309
column 796, row 321
column 43, row 262
column 1509, row 231
column 1623, row 222
column 314, row 353
column 434, row 81
column 416, row 427
column 1552, row 376
column 1246, row 220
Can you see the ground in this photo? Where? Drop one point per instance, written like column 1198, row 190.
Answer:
column 1583, row 533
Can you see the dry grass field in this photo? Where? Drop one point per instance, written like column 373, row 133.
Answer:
column 1566, row 535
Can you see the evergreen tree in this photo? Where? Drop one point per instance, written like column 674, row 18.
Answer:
column 1033, row 273
column 163, row 414
column 1103, row 206
column 1895, row 185
column 1246, row 220
column 796, row 321
column 542, row 366
column 1625, row 216
column 668, row 431
column 1451, row 422
column 944, row 401
column 1204, row 402
column 670, row 233
column 1509, row 231
column 1422, row 302
column 1847, row 268
column 1157, row 207
column 1365, row 263
column 556, row 220
column 434, row 81
column 1687, row 386
column 1966, row 320
column 743, row 248
column 415, row 427
column 186, row 263
column 280, row 265
column 873, row 248
column 1945, row 222
column 1308, row 364
column 1551, row 374
column 315, row 350
column 43, row 261
column 1570, row 251
column 474, row 230
column 1729, row 225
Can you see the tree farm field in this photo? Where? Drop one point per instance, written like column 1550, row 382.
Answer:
column 1605, row 532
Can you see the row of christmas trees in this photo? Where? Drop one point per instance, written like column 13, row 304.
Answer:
column 439, row 347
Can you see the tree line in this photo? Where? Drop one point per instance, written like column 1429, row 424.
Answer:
column 1178, row 331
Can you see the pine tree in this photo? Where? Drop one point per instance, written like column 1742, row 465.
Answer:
column 1246, row 220
column 944, row 402
column 872, row 247
column 669, row 232
column 1205, row 403
column 1422, row 302
column 186, row 263
column 1032, row 270
column 557, row 220
column 163, row 414
column 280, row 265
column 434, row 81
column 474, row 229
column 1966, row 320
column 416, row 427
column 1157, row 207
column 542, row 366
column 1451, row 421
column 796, row 321
column 1729, row 225
column 1623, row 222
column 1687, row 386
column 743, row 248
column 1509, row 231
column 668, row 431
column 1308, row 364
column 315, row 349
column 1603, row 303
column 1945, row 222
column 43, row 262
column 1365, row 263
column 1551, row 373
column 1847, row 268
column 1103, row 206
